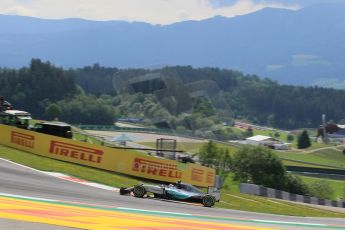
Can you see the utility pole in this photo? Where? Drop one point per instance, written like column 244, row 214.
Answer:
column 325, row 134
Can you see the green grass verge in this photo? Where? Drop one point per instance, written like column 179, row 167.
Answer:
column 231, row 198
column 245, row 202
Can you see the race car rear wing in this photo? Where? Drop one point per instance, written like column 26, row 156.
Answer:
column 215, row 192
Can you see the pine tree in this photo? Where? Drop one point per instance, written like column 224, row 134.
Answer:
column 208, row 154
column 303, row 140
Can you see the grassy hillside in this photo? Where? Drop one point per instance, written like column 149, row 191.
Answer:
column 327, row 158
column 330, row 157
column 304, row 164
column 326, row 155
column 231, row 198
column 337, row 185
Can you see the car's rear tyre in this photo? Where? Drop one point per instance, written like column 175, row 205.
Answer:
column 139, row 191
column 123, row 191
column 158, row 196
column 208, row 201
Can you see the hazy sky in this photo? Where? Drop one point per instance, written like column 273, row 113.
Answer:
column 152, row 11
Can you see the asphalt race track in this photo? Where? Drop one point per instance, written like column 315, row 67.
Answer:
column 64, row 195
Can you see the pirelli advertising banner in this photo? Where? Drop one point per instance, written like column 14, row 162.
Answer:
column 123, row 161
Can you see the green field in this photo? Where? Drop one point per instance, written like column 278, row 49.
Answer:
column 337, row 185
column 306, row 164
column 317, row 145
column 231, row 198
column 283, row 137
column 327, row 157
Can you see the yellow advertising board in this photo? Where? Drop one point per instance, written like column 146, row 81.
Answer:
column 119, row 160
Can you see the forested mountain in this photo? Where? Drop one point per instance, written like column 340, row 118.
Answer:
column 181, row 98
column 300, row 47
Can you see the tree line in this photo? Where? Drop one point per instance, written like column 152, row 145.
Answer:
column 180, row 97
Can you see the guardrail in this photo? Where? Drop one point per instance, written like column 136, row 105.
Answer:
column 253, row 189
column 138, row 130
column 187, row 134
column 316, row 170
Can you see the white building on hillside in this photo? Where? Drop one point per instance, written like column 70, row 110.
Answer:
column 260, row 140
column 267, row 141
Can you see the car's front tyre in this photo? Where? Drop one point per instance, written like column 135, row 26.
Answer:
column 208, row 201
column 139, row 191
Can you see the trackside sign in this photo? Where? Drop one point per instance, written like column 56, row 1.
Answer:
column 76, row 152
column 123, row 161
column 22, row 139
column 156, row 168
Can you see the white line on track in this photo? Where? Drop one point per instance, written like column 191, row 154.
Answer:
column 23, row 166
column 176, row 201
column 26, row 197
column 288, row 222
column 146, row 210
column 119, row 208
column 67, row 177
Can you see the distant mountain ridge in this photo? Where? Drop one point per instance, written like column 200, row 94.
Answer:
column 297, row 47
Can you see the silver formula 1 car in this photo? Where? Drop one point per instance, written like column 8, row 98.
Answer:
column 178, row 191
